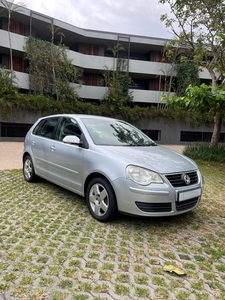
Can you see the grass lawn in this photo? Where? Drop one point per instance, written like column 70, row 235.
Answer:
column 51, row 248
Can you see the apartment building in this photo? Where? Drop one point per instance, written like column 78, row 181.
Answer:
column 89, row 50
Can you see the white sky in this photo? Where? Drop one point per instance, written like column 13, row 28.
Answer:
column 141, row 17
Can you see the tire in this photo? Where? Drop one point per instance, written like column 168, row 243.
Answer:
column 28, row 169
column 101, row 200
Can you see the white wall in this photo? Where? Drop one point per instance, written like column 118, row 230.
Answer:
column 22, row 80
column 18, row 41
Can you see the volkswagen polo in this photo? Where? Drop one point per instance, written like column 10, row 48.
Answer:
column 113, row 165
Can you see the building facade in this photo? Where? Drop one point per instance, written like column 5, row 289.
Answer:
column 89, row 50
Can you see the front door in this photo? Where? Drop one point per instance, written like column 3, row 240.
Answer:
column 65, row 160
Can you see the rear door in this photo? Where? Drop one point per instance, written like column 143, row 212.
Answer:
column 40, row 144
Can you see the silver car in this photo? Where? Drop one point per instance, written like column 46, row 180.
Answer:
column 113, row 165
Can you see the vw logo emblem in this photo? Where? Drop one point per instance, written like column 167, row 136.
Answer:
column 186, row 179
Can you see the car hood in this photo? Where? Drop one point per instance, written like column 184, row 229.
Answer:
column 156, row 158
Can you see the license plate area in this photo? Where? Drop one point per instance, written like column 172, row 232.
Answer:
column 182, row 196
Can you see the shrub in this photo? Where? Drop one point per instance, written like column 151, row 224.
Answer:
column 203, row 151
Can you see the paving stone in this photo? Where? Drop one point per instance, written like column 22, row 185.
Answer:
column 51, row 248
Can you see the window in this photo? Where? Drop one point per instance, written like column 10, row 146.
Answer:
column 67, row 127
column 198, row 136
column 13, row 129
column 155, row 135
column 46, row 127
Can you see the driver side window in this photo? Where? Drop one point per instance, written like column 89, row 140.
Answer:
column 67, row 127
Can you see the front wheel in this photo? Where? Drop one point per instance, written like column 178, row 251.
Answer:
column 28, row 169
column 101, row 200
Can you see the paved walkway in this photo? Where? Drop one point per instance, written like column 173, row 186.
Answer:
column 11, row 154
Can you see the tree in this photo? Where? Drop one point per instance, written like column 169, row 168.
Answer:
column 184, row 70
column 11, row 7
column 50, row 71
column 117, row 80
column 118, row 84
column 203, row 99
column 199, row 28
column 186, row 74
column 7, row 80
column 54, row 30
column 115, row 50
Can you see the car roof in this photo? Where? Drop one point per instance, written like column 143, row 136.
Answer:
column 79, row 116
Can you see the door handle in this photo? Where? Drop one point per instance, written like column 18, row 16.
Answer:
column 33, row 143
column 53, row 148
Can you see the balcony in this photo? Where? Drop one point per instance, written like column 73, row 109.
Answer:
column 141, row 96
column 17, row 41
column 91, row 62
column 97, row 92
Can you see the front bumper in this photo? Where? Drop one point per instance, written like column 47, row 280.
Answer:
column 156, row 199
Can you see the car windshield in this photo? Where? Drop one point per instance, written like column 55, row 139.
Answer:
column 115, row 133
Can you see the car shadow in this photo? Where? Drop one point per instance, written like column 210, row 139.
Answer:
column 177, row 222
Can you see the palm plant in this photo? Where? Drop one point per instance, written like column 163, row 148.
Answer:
column 54, row 31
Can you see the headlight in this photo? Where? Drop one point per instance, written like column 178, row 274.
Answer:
column 142, row 176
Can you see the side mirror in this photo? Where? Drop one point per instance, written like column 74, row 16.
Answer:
column 71, row 139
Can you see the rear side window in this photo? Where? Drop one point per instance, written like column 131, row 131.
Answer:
column 46, row 127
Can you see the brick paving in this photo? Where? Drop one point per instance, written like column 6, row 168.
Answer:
column 52, row 249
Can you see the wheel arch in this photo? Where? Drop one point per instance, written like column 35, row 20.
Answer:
column 26, row 154
column 33, row 175
column 95, row 175
column 94, row 184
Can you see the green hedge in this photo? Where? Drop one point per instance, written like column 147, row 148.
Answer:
column 13, row 101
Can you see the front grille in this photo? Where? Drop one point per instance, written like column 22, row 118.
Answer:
column 154, row 207
column 177, row 179
column 187, row 204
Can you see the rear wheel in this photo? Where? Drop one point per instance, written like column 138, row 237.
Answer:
column 28, row 169
column 101, row 200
